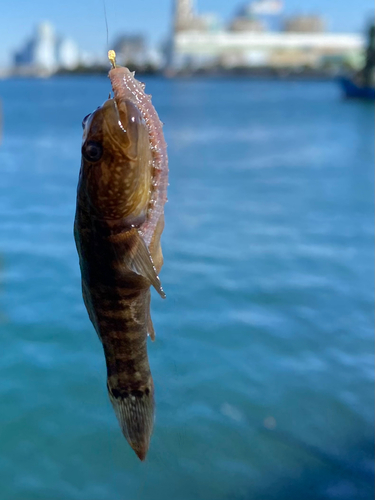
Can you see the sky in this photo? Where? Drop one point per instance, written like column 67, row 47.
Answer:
column 84, row 21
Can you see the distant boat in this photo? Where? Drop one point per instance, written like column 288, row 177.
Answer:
column 362, row 85
column 354, row 91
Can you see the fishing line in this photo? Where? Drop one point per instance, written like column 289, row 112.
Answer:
column 106, row 27
column 106, row 21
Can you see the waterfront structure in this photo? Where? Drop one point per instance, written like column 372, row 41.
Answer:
column 251, row 40
column 259, row 13
column 304, row 24
column 67, row 54
column 247, row 23
column 362, row 84
column 39, row 51
column 231, row 49
column 45, row 53
column 185, row 18
column 131, row 49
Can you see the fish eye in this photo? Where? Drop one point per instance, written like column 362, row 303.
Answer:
column 85, row 120
column 92, row 151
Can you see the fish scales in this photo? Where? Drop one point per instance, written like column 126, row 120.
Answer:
column 119, row 220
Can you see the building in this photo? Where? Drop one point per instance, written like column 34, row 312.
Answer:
column 267, row 13
column 186, row 19
column 131, row 49
column 305, row 24
column 67, row 54
column 247, row 23
column 251, row 41
column 39, row 51
column 265, row 49
column 45, row 53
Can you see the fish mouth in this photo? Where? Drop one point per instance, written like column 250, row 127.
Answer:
column 108, row 115
column 112, row 118
column 135, row 415
column 112, row 114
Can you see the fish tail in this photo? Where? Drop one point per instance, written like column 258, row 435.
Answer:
column 135, row 414
column 124, row 327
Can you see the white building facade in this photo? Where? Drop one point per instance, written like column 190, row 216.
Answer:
column 45, row 53
column 195, row 48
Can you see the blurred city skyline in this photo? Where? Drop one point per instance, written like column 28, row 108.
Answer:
column 84, row 22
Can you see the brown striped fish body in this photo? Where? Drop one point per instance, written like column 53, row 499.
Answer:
column 119, row 221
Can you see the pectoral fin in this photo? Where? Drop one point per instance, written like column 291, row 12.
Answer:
column 140, row 261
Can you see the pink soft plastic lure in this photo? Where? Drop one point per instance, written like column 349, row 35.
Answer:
column 125, row 86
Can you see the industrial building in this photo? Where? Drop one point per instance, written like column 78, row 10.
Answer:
column 259, row 35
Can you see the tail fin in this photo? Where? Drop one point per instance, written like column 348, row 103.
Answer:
column 135, row 413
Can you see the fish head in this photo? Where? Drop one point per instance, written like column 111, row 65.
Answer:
column 116, row 169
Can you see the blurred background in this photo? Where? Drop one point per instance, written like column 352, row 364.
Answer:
column 263, row 361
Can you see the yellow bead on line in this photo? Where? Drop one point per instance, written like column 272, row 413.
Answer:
column 112, row 57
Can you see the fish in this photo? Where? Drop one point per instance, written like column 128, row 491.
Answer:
column 121, row 193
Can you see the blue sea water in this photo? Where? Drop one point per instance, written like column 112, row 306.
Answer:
column 263, row 359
